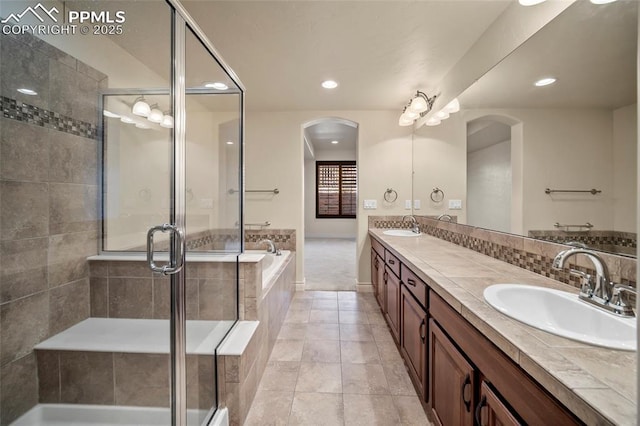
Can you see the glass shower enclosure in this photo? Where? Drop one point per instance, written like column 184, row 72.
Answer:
column 121, row 185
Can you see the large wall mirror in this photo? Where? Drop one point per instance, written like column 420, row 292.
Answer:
column 534, row 154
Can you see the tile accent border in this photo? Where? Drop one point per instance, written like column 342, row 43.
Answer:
column 527, row 253
column 19, row 111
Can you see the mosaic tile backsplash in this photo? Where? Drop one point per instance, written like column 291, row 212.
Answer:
column 535, row 255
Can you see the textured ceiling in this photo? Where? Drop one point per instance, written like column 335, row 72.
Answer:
column 380, row 52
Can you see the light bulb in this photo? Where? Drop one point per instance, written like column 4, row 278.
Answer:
column 410, row 115
column 442, row 115
column 453, row 106
column 167, row 121
column 404, row 121
column 530, row 2
column 141, row 108
column 155, row 116
column 418, row 104
column 433, row 121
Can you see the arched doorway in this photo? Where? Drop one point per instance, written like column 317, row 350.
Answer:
column 494, row 173
column 330, row 203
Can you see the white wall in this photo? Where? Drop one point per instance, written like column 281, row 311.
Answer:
column 274, row 158
column 625, row 188
column 489, row 187
column 325, row 228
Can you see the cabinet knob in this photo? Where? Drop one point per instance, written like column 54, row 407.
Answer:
column 411, row 282
column 423, row 337
column 392, row 262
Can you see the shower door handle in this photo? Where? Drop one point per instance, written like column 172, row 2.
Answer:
column 174, row 265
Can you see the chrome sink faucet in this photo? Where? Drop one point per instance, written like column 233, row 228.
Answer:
column 600, row 291
column 414, row 223
column 445, row 216
column 271, row 246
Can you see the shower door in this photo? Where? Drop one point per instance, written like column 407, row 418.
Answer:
column 172, row 189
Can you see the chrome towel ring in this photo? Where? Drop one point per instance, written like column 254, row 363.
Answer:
column 437, row 195
column 390, row 195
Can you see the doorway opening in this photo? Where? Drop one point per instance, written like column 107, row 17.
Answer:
column 330, row 203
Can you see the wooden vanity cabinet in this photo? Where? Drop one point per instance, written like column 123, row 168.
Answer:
column 375, row 267
column 525, row 397
column 413, row 338
column 451, row 381
column 492, row 411
column 392, row 302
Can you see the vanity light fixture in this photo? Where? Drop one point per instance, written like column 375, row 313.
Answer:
column 433, row 121
column 110, row 114
column 141, row 107
column 417, row 107
column 26, row 91
column 530, row 2
column 545, row 81
column 218, row 85
column 167, row 121
column 155, row 116
column 329, row 84
column 127, row 120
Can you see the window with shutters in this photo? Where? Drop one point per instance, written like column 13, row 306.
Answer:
column 336, row 189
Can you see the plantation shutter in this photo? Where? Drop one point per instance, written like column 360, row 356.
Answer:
column 336, row 189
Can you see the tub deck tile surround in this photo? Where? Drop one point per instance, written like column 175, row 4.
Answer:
column 597, row 384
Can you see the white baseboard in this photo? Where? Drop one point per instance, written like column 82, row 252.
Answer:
column 300, row 285
column 364, row 287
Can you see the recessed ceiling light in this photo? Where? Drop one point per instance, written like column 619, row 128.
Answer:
column 329, row 84
column 602, row 1
column 216, row 85
column 127, row 120
column 29, row 92
column 530, row 2
column 545, row 81
column 335, row 142
column 110, row 114
column 229, row 142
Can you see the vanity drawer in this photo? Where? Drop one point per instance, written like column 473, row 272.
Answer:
column 375, row 244
column 415, row 285
column 392, row 262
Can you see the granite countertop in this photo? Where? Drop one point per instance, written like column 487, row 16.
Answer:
column 597, row 384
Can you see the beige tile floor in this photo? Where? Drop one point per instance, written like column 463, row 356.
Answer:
column 335, row 363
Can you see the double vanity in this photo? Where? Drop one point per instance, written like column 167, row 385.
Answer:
column 475, row 347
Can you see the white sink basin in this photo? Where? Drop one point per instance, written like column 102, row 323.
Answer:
column 562, row 313
column 401, row 233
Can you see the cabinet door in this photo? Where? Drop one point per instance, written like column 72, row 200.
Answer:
column 375, row 265
column 413, row 335
column 392, row 303
column 380, row 295
column 491, row 411
column 451, row 381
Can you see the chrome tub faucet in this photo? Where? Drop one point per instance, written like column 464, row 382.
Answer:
column 271, row 247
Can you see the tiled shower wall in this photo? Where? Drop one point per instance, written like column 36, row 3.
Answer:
column 49, row 205
column 527, row 253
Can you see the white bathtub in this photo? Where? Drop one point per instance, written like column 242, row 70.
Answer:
column 271, row 263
